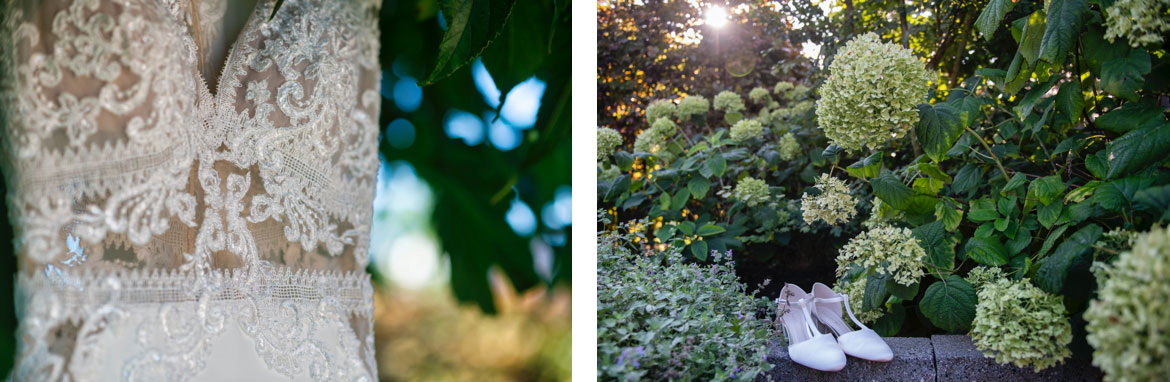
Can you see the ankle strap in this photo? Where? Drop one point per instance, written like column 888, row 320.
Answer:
column 841, row 297
column 809, row 323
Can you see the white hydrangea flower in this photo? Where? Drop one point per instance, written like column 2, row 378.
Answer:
column 834, row 205
column 856, row 291
column 1142, row 22
column 692, row 106
column 751, row 191
column 887, row 250
column 729, row 102
column 871, row 94
column 746, row 129
column 607, row 140
column 1018, row 323
column 654, row 139
column 789, row 148
column 659, row 109
column 759, row 96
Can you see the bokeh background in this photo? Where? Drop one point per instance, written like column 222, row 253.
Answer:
column 470, row 250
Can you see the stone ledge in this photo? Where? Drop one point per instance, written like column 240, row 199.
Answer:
column 938, row 358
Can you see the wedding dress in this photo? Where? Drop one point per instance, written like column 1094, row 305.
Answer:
column 168, row 233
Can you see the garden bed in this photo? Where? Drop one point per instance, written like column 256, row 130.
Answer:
column 937, row 358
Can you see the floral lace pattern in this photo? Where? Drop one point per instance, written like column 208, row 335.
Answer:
column 157, row 213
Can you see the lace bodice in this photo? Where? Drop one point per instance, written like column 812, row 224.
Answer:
column 165, row 226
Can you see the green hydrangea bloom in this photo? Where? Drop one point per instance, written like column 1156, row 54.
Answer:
column 782, row 88
column 1018, row 323
column 746, row 129
column 751, row 191
column 607, row 171
column 692, row 106
column 759, row 96
column 607, row 140
column 729, row 102
column 659, row 109
column 886, row 250
column 764, row 117
column 654, row 139
column 877, row 218
column 871, row 94
column 856, row 290
column 1142, row 22
column 834, row 205
column 983, row 275
column 1127, row 323
column 799, row 92
column 788, row 147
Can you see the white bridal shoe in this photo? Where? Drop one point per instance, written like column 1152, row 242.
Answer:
column 863, row 343
column 806, row 345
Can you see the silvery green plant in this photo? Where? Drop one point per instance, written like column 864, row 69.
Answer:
column 871, row 94
column 662, row 318
column 1128, row 321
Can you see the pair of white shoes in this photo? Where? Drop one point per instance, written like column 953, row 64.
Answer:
column 808, row 346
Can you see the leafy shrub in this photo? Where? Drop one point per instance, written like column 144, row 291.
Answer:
column 660, row 318
column 871, row 93
column 1127, row 323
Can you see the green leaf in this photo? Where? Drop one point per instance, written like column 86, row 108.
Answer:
column 949, row 304
column 938, row 128
column 968, row 108
column 1123, row 76
column 985, row 230
column 699, row 249
column 867, row 167
column 1061, row 29
column 983, row 210
column 986, row 251
column 699, row 187
column 1024, row 108
column 890, row 323
column 1047, row 189
column 1130, row 116
column 992, row 15
column 1021, row 241
column 1097, row 50
column 875, row 292
column 717, row 164
column 1137, row 149
column 1156, row 200
column 940, row 251
column 890, row 190
column 710, row 229
column 1049, row 213
column 1031, row 35
column 968, row 179
column 1116, row 195
column 680, row 199
column 1006, row 205
column 949, row 215
column 901, row 291
column 624, row 160
column 1048, row 243
column 932, row 170
column 1052, row 271
column 471, row 27
column 687, row 228
column 732, row 117
column 1070, row 102
column 522, row 46
column 619, row 185
column 1015, row 182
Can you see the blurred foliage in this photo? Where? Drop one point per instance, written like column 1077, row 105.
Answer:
column 475, row 184
column 426, row 336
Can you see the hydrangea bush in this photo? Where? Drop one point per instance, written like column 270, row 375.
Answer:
column 729, row 101
column 691, row 107
column 885, row 250
column 834, row 204
column 607, row 140
column 660, row 109
column 1018, row 323
column 751, row 191
column 746, row 129
column 872, row 93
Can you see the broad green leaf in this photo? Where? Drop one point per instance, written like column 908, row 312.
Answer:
column 1015, row 182
column 890, row 323
column 929, row 186
column 968, row 179
column 1024, row 108
column 717, row 164
column 1096, row 164
column 1123, row 76
column 875, row 292
column 982, row 210
column 949, row 304
column 732, row 117
column 1021, row 241
column 687, row 228
column 968, row 109
column 1052, row 237
column 986, row 251
column 938, row 129
column 867, row 167
column 901, row 291
column 680, row 199
column 1031, row 35
column 710, row 229
column 940, row 251
column 1137, row 149
column 699, row 186
column 619, row 185
column 1053, row 270
column 1070, row 102
column 985, row 230
column 522, row 46
column 624, row 160
column 1017, row 75
column 1097, row 50
column 1006, row 205
column 1048, row 214
column 1155, row 200
column 1061, row 29
column 890, row 190
column 699, row 249
column 1047, row 189
column 992, row 15
column 949, row 215
column 471, row 26
column 1130, row 116
column 932, row 170
column 1116, row 195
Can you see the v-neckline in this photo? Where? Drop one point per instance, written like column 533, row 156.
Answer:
column 229, row 58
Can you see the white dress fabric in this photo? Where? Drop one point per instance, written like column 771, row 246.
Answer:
column 167, row 230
